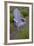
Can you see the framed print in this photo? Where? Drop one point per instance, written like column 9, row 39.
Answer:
column 18, row 22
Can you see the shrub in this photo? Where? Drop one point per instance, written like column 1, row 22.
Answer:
column 11, row 19
column 25, row 12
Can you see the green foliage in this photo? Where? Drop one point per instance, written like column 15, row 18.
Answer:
column 25, row 12
column 11, row 19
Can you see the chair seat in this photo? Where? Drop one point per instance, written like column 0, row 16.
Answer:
column 19, row 23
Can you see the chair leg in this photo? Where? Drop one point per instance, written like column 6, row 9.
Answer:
column 17, row 28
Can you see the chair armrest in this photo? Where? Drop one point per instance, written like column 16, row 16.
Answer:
column 23, row 18
column 15, row 20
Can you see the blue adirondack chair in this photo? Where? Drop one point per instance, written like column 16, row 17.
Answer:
column 19, row 21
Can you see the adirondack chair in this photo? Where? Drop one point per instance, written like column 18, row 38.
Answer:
column 19, row 21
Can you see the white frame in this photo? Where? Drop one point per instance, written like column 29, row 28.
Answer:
column 8, row 23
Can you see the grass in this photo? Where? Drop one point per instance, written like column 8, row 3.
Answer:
column 24, row 34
